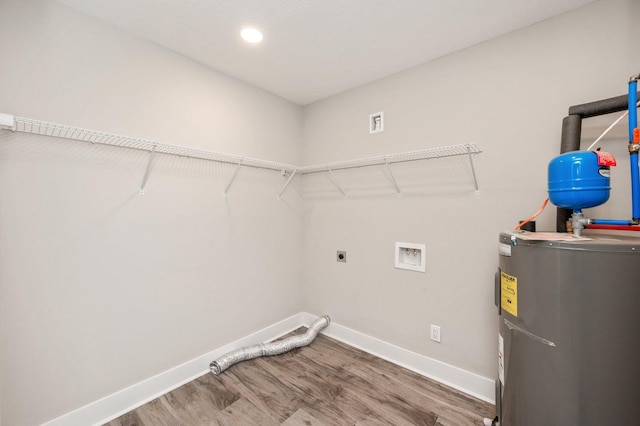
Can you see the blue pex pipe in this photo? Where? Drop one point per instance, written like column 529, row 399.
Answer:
column 633, row 109
column 633, row 156
column 635, row 186
column 611, row 222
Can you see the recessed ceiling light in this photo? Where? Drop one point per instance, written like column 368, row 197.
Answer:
column 251, row 35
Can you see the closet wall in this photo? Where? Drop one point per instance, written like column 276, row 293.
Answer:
column 509, row 96
column 100, row 287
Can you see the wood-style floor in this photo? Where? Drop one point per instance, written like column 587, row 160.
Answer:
column 325, row 383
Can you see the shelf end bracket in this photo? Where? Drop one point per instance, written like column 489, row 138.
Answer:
column 473, row 170
column 393, row 178
column 146, row 172
column 233, row 177
column 7, row 122
column 287, row 183
column 335, row 182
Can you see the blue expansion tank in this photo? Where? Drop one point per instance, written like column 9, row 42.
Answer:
column 580, row 179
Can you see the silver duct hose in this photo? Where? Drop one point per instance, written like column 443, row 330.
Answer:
column 268, row 349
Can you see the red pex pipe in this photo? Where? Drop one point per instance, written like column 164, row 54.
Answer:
column 615, row 227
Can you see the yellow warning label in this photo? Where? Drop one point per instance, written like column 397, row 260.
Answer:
column 509, row 293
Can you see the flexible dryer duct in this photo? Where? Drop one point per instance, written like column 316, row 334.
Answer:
column 271, row 348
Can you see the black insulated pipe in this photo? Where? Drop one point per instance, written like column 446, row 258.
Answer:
column 602, row 107
column 572, row 131
column 569, row 141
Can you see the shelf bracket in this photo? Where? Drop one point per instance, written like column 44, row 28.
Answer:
column 393, row 178
column 235, row 172
column 7, row 122
column 287, row 183
column 473, row 169
column 146, row 172
column 335, row 182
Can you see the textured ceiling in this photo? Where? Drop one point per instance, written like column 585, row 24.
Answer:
column 316, row 48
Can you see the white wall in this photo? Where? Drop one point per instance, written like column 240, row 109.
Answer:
column 508, row 95
column 100, row 287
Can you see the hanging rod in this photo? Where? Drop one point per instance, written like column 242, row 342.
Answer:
column 423, row 154
column 38, row 127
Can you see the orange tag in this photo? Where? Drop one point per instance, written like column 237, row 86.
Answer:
column 605, row 158
column 636, row 135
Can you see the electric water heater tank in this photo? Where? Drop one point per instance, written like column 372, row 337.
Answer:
column 580, row 179
column 568, row 348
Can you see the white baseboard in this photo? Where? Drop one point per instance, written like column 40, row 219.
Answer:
column 121, row 402
column 470, row 383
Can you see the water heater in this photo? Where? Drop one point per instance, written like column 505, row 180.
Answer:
column 569, row 353
column 568, row 347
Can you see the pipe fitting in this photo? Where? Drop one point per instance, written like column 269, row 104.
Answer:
column 578, row 223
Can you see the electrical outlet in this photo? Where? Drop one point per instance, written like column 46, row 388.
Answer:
column 435, row 333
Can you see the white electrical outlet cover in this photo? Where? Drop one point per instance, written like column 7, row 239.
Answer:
column 435, row 333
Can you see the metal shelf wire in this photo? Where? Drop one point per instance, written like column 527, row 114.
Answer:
column 44, row 128
column 28, row 125
column 423, row 154
column 468, row 150
column 38, row 127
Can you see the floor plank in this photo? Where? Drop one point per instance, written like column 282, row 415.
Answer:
column 406, row 389
column 325, row 383
column 243, row 412
column 302, row 418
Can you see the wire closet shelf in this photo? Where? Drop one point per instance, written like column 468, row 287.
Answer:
column 28, row 125
column 45, row 128
column 423, row 154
